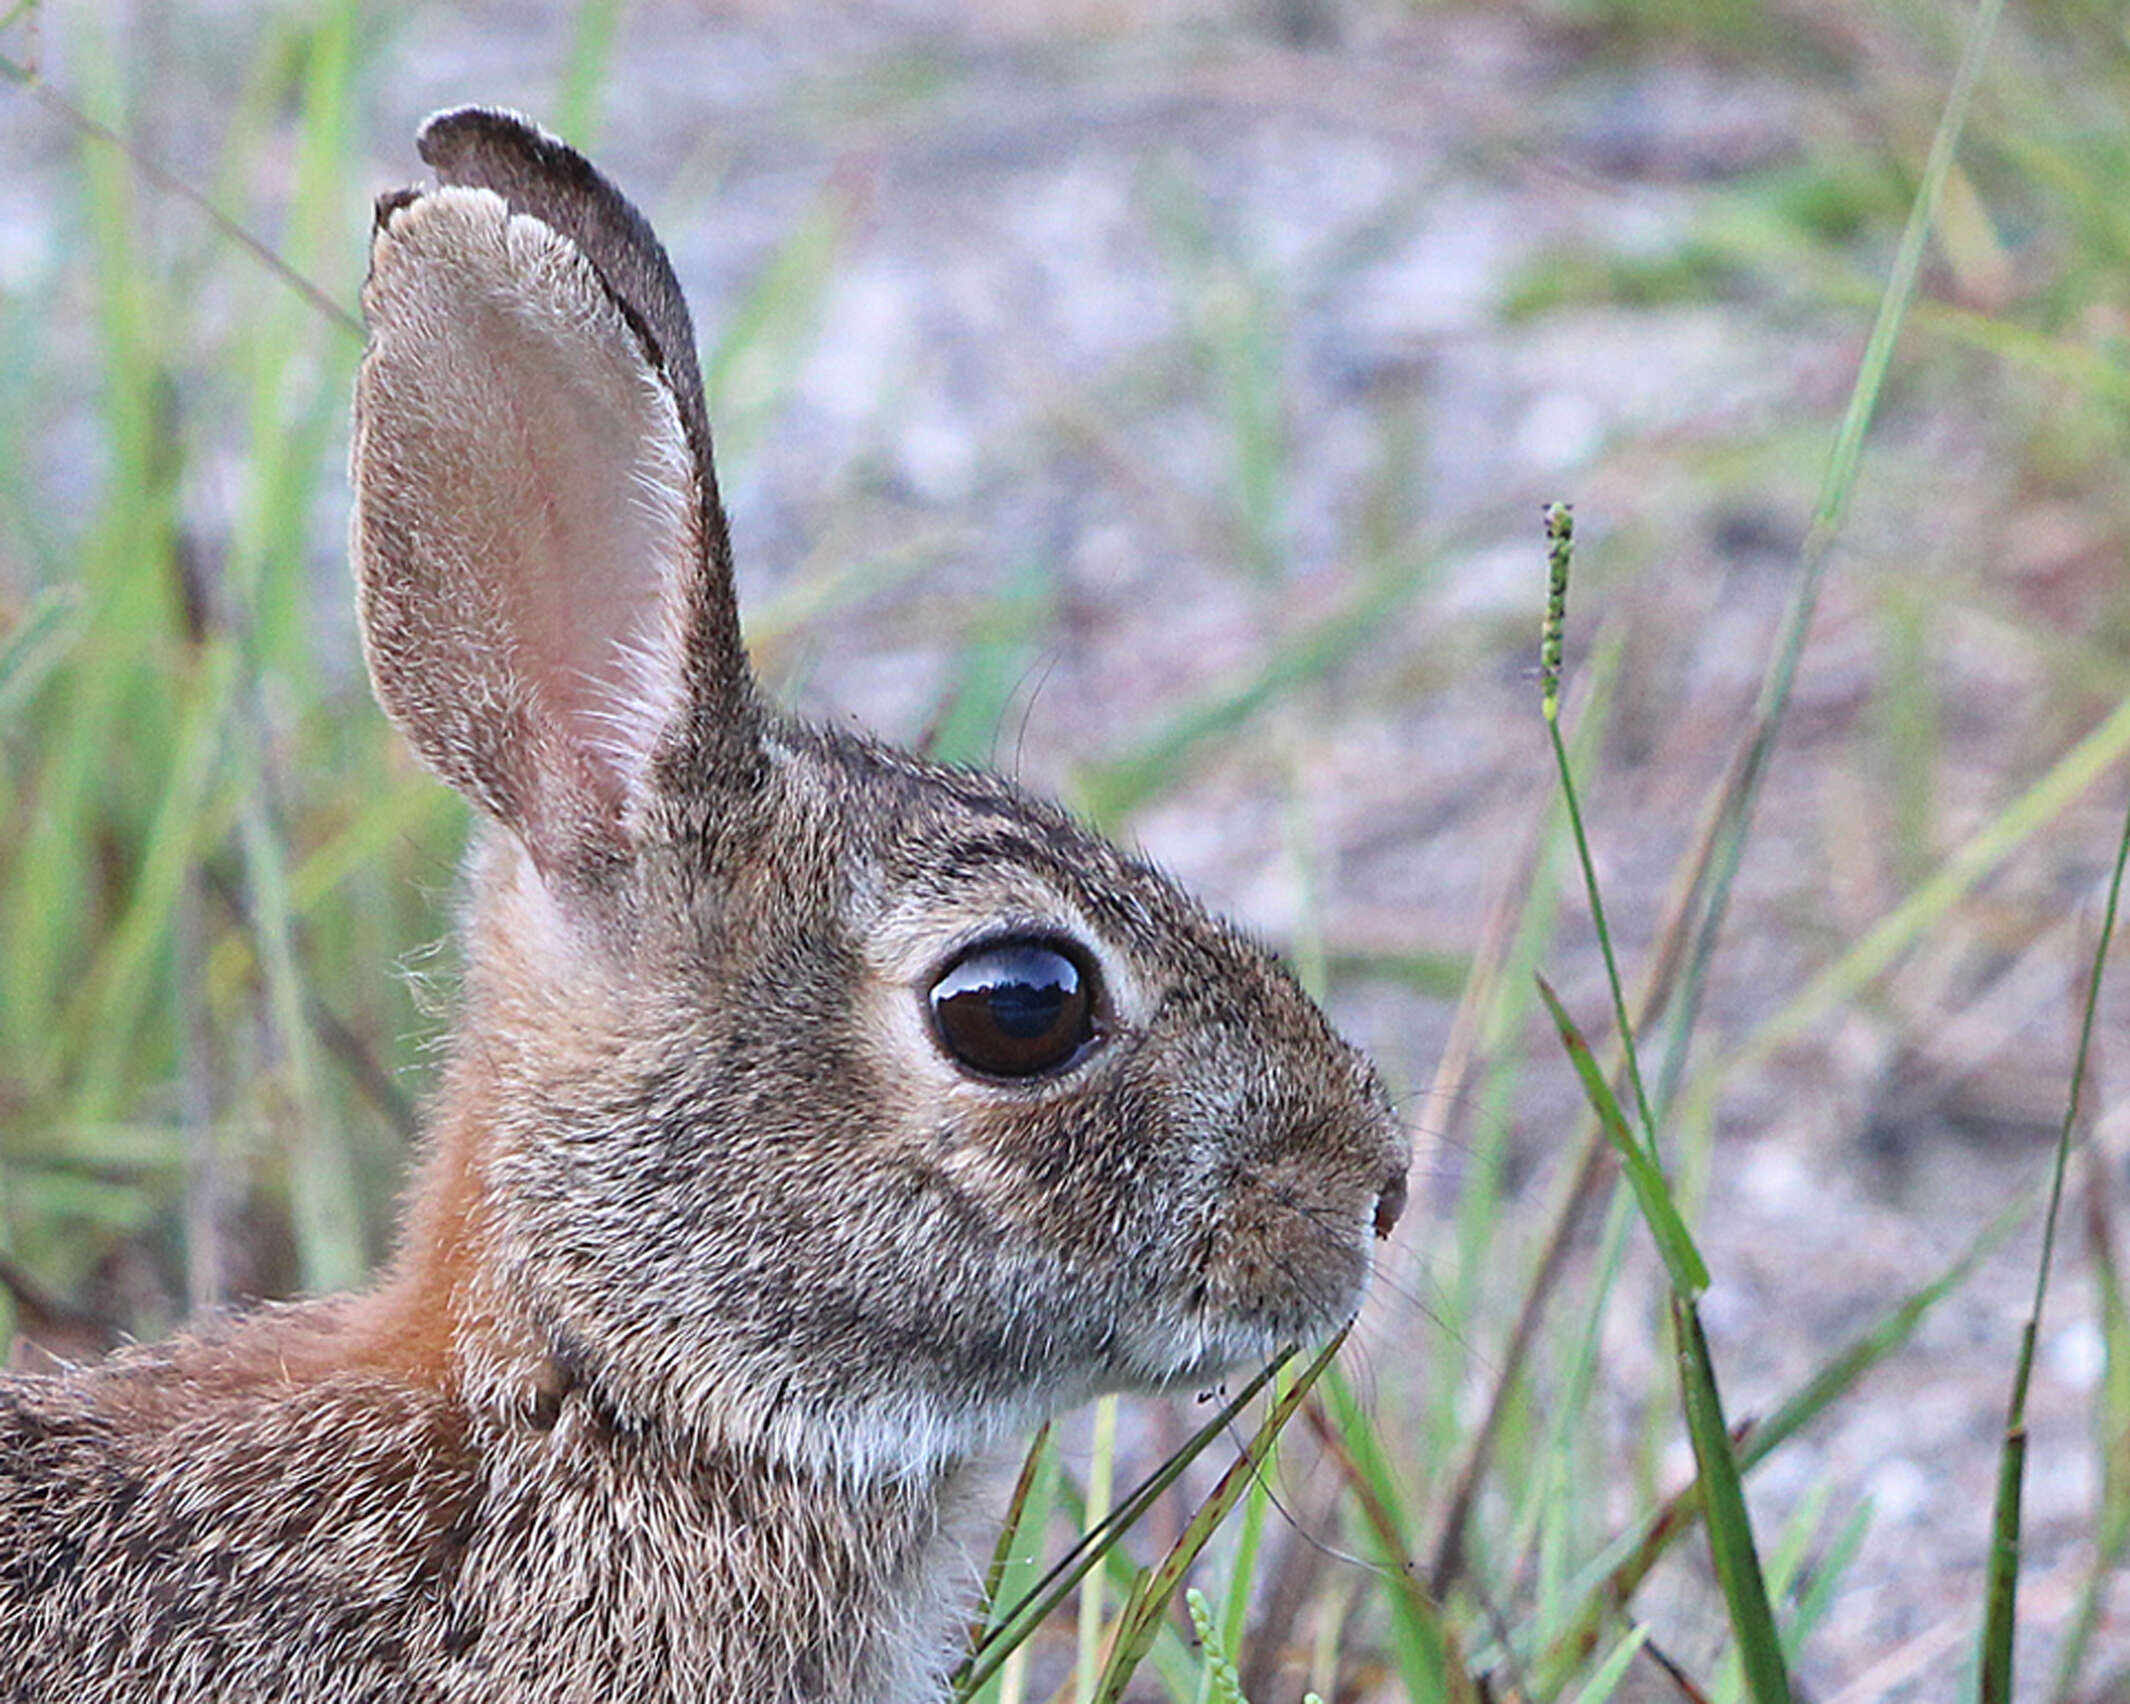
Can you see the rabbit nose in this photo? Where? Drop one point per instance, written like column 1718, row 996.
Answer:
column 1390, row 1204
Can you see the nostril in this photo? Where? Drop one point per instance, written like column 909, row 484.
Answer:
column 1390, row 1204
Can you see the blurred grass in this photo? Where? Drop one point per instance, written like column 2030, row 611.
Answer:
column 219, row 874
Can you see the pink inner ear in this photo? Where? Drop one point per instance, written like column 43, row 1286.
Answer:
column 526, row 521
column 605, row 517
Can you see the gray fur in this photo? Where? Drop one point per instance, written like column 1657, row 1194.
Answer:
column 722, row 1285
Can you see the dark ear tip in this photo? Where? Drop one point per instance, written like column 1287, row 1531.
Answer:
column 443, row 134
column 476, row 145
column 390, row 203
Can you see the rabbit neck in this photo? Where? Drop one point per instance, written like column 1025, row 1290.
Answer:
column 718, row 1575
column 749, row 1572
column 279, row 1513
column 719, row 1571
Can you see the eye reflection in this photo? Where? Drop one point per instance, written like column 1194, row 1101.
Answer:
column 1020, row 1008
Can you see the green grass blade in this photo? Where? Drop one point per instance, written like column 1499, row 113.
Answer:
column 2001, row 1593
column 1840, row 1375
column 1885, row 941
column 1827, row 1579
column 1018, row 1557
column 1430, row 1663
column 322, row 1188
column 1675, row 1244
column 1473, row 1453
column 1010, row 1536
column 1836, row 485
column 1235, row 331
column 752, row 365
column 104, row 1019
column 1172, row 1663
column 1101, row 1468
column 1560, row 549
column 1730, row 1529
column 91, row 129
column 2001, row 1600
column 992, row 669
column 1625, row 1565
column 1114, row 790
column 1141, row 1617
column 37, row 645
column 1613, row 1669
column 1242, row 1572
column 1031, row 1609
column 50, row 901
column 584, row 73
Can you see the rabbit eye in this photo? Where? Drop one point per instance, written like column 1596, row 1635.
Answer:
column 1015, row 1009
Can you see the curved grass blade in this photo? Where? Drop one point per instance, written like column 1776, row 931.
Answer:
column 1606, row 1681
column 321, row 302
column 1033, row 1465
column 2001, row 1598
column 37, row 645
column 1141, row 1615
column 1742, row 787
column 1682, row 1261
column 1730, row 1529
column 1626, row 1564
column 1116, row 789
column 1430, row 1660
column 1030, row 1611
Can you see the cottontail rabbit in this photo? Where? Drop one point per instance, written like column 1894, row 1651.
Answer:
column 818, row 1117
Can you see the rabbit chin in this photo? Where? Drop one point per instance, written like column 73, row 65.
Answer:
column 1195, row 1354
column 912, row 1428
column 1195, row 1344
column 916, row 1434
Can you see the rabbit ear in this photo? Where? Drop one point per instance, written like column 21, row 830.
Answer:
column 545, row 577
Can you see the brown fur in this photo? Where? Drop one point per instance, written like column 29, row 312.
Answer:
column 723, row 1281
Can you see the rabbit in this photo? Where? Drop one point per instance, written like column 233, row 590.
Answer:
column 818, row 1117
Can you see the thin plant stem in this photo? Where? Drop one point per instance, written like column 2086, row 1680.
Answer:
column 1728, row 1522
column 26, row 76
column 1711, row 865
column 1560, row 548
column 1100, row 1470
column 2001, row 1593
column 1837, row 482
column 1012, row 1628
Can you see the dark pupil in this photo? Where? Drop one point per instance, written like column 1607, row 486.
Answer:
column 1015, row 1010
column 1027, row 1011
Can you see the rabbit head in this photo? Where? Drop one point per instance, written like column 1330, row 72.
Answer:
column 810, row 1096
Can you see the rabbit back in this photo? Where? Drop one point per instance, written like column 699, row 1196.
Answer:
column 216, row 1519
column 200, row 1519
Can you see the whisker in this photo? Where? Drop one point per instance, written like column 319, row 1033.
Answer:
column 1329, row 1551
